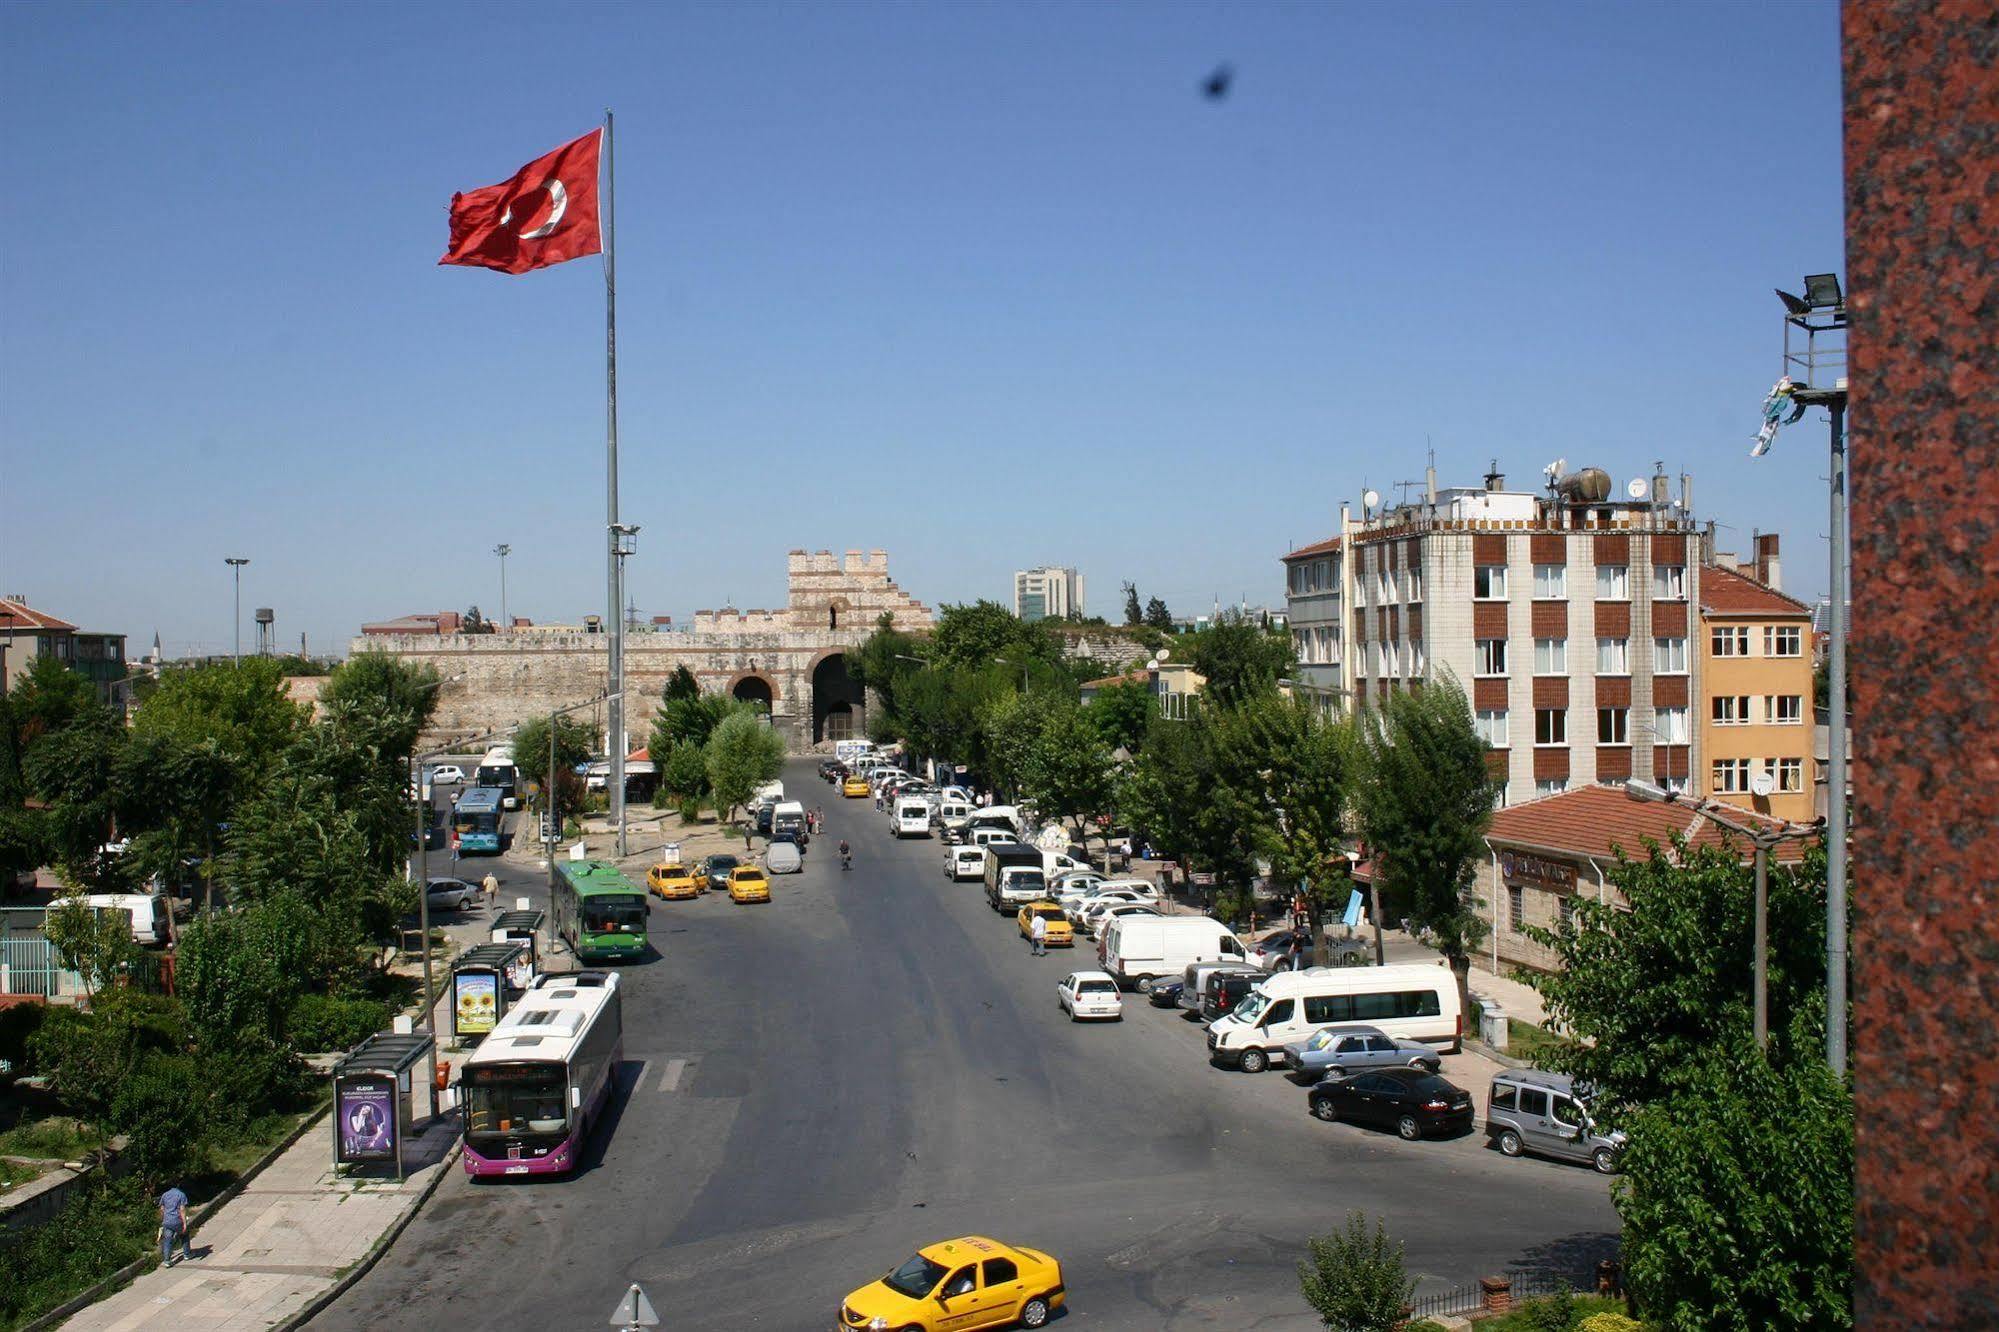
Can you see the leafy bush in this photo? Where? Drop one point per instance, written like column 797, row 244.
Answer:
column 102, row 1229
column 1552, row 1313
column 17, row 1023
column 1423, row 1325
column 250, row 1077
column 1355, row 1279
column 1609, row 1322
column 87, row 1055
column 163, row 1108
column 327, row 1022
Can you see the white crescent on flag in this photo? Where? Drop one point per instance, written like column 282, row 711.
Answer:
column 559, row 203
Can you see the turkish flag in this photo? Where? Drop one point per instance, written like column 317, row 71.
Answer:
column 547, row 214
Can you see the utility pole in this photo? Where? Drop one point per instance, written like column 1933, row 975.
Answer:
column 236, row 568
column 503, row 550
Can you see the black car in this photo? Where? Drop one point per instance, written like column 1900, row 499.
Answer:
column 1409, row 1100
column 764, row 813
column 832, row 770
column 1165, row 994
column 715, row 870
column 1225, row 992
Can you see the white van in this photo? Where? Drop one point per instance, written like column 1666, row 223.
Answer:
column 146, row 912
column 1413, row 1002
column 1146, row 948
column 787, row 820
column 912, row 817
column 853, row 752
column 1061, row 862
column 990, row 836
column 771, row 791
column 995, row 816
column 965, row 862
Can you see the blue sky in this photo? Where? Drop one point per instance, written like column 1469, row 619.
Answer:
column 984, row 285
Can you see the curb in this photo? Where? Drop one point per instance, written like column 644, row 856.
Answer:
column 123, row 1276
column 381, row 1246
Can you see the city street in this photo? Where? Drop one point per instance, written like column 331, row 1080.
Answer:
column 873, row 1061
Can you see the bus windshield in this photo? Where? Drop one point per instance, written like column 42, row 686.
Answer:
column 478, row 821
column 623, row 913
column 515, row 1098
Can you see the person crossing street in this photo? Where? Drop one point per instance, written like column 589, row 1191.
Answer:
column 1038, row 935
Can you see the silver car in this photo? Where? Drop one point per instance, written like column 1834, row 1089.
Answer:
column 1338, row 1051
column 1547, row 1114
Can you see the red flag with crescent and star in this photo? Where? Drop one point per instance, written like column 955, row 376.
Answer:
column 547, row 214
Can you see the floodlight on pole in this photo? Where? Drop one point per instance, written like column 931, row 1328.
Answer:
column 503, row 550
column 236, row 564
column 1822, row 291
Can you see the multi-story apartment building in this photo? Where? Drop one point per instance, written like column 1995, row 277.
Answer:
column 27, row 635
column 1756, row 686
column 1565, row 616
column 1047, row 593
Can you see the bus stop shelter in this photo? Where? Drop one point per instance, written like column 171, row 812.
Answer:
column 374, row 1090
column 522, row 927
column 480, row 980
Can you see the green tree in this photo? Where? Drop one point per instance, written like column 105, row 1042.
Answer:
column 243, row 708
column 681, row 684
column 971, row 636
column 574, row 741
column 683, row 775
column 73, row 771
column 1311, row 762
column 1424, row 802
column 1199, row 792
column 380, row 701
column 1737, row 1195
column 1642, row 994
column 1121, row 714
column 1240, row 660
column 1068, row 773
column 743, row 754
column 187, row 786
column 1133, row 616
column 1157, row 616
column 685, row 720
column 1354, row 1278
column 97, row 945
column 1010, row 725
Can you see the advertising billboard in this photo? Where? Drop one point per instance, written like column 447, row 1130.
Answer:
column 365, row 1107
column 475, row 1002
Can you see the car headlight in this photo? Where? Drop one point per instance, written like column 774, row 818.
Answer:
column 878, row 1324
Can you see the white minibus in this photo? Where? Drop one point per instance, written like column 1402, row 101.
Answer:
column 1416, row 1002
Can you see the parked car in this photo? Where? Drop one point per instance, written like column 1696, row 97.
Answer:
column 1082, row 906
column 1337, row 1052
column 1099, row 916
column 784, row 856
column 447, row 774
column 1413, row 1102
column 1280, row 951
column 1546, row 1113
column 965, row 862
column 855, row 788
column 1164, row 994
column 713, row 873
column 747, row 883
column 1090, row 994
column 1055, row 931
column 1225, row 990
column 829, row 769
column 452, row 894
column 1080, row 882
column 762, row 812
column 673, row 882
column 1136, row 949
column 1417, row 1002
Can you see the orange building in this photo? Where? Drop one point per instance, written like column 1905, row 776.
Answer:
column 1756, row 696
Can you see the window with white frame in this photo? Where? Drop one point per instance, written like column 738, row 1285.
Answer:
column 1782, row 640
column 1488, row 582
column 1414, row 579
column 1380, row 658
column 1730, row 709
column 1297, row 579
column 1492, row 727
column 1730, row 640
column 1551, row 656
column 1671, row 724
column 1550, row 785
column 1789, row 772
column 1418, row 664
column 1613, row 726
column 1551, row 582
column 1322, row 574
column 1613, row 582
column 1489, row 657
column 1613, row 656
column 1385, row 586
column 1784, row 709
column 1669, row 582
column 1669, row 656
column 1731, row 776
column 1394, row 659
column 1301, row 644
column 1551, row 726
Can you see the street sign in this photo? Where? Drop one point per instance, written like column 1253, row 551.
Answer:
column 635, row 1310
column 1202, row 880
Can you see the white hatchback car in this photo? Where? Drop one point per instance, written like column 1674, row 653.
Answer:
column 965, row 862
column 450, row 774
column 1090, row 994
column 1080, row 910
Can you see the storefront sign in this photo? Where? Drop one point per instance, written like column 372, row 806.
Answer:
column 1536, row 872
column 366, row 1106
column 475, row 1002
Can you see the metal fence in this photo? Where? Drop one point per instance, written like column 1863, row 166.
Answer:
column 1471, row 1298
column 29, row 965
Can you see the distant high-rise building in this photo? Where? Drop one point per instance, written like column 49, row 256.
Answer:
column 1047, row 593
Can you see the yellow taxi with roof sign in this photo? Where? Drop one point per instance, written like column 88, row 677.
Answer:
column 673, row 882
column 747, row 883
column 971, row 1282
column 855, row 788
column 1056, row 931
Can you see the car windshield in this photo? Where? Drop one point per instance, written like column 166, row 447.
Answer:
column 1049, row 913
column 915, row 1278
column 721, row 865
column 1250, row 1008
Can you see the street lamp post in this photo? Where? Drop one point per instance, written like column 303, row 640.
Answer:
column 236, row 564
column 503, row 550
column 624, row 543
column 1763, row 838
column 423, row 809
column 554, row 833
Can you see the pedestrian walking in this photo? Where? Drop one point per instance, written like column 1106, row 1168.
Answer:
column 1038, row 933
column 173, row 1225
column 746, row 837
column 492, row 886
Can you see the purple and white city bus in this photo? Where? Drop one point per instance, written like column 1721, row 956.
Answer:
column 537, row 1084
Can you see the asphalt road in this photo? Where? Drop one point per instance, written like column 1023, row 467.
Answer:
column 873, row 1061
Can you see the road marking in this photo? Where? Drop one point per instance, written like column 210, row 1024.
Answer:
column 670, row 1079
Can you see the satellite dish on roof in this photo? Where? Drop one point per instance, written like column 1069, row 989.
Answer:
column 1637, row 488
column 1370, row 499
column 1555, row 468
column 1164, row 653
column 1762, row 784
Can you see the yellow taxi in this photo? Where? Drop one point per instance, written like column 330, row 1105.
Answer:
column 855, row 788
column 1056, row 932
column 962, row 1283
column 673, row 882
column 747, row 883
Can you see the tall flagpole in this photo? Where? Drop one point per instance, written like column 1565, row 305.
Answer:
column 615, row 712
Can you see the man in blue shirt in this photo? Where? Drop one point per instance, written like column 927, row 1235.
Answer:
column 173, row 1225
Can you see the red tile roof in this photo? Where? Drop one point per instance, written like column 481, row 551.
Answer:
column 1316, row 548
column 1726, row 592
column 19, row 616
column 1591, row 820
